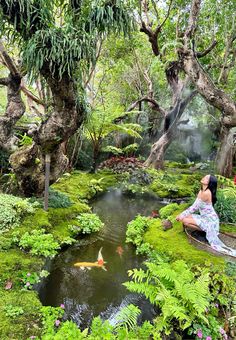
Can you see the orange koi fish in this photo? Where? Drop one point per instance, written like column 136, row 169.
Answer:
column 119, row 250
column 99, row 263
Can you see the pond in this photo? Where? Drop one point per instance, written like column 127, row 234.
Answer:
column 89, row 293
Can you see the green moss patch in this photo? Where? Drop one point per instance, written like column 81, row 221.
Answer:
column 19, row 314
column 174, row 242
column 15, row 261
column 174, row 185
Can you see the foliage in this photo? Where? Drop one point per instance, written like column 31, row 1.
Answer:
column 88, row 223
column 25, row 140
column 127, row 317
column 127, row 150
column 168, row 210
column 12, row 210
column 182, row 297
column 49, row 317
column 225, row 206
column 135, row 231
column 38, row 243
column 225, row 182
column 56, row 199
column 28, row 279
column 13, row 311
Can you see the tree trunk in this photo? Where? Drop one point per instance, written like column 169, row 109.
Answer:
column 224, row 158
column 66, row 118
column 156, row 157
column 14, row 111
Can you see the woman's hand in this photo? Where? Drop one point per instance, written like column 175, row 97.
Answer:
column 178, row 218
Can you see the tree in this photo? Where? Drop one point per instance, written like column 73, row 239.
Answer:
column 58, row 42
column 188, row 57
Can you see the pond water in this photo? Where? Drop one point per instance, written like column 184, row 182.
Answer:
column 89, row 293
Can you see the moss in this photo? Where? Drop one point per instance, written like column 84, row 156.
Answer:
column 172, row 185
column 21, row 326
column 174, row 242
column 15, row 261
column 79, row 185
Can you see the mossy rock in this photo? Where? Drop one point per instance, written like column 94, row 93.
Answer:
column 168, row 185
column 19, row 326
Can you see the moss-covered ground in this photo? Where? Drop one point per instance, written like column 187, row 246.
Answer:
column 175, row 243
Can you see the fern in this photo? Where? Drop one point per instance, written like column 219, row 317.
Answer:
column 127, row 317
column 174, row 288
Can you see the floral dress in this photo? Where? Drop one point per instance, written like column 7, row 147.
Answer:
column 208, row 221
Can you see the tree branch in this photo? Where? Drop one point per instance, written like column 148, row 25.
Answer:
column 208, row 50
column 155, row 105
column 192, row 24
column 8, row 61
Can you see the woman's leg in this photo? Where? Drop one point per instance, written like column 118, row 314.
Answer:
column 189, row 222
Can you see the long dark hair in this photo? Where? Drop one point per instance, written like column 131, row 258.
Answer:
column 212, row 186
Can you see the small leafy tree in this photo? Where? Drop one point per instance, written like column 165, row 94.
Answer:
column 101, row 123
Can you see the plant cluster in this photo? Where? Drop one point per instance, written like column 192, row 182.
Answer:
column 88, row 223
column 13, row 311
column 56, row 199
column 37, row 242
column 135, row 231
column 185, row 297
column 12, row 210
column 225, row 205
column 28, row 279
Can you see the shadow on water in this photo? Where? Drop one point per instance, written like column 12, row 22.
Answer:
column 88, row 293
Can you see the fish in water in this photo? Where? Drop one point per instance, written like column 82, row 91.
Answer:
column 99, row 263
column 119, row 250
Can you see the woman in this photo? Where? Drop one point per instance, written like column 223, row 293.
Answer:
column 208, row 220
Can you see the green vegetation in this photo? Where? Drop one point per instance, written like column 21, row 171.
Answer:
column 13, row 209
column 88, row 223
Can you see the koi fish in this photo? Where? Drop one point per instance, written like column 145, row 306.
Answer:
column 99, row 263
column 119, row 250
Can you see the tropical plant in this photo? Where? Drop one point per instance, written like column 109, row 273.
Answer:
column 101, row 123
column 127, row 317
column 181, row 296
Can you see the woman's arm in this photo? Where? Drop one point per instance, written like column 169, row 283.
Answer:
column 193, row 208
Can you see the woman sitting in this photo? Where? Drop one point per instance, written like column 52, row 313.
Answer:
column 208, row 220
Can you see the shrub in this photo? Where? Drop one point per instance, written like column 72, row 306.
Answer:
column 12, row 210
column 136, row 229
column 56, row 199
column 225, row 207
column 88, row 223
column 38, row 243
column 168, row 210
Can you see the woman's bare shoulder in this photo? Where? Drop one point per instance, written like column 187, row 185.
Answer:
column 205, row 195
